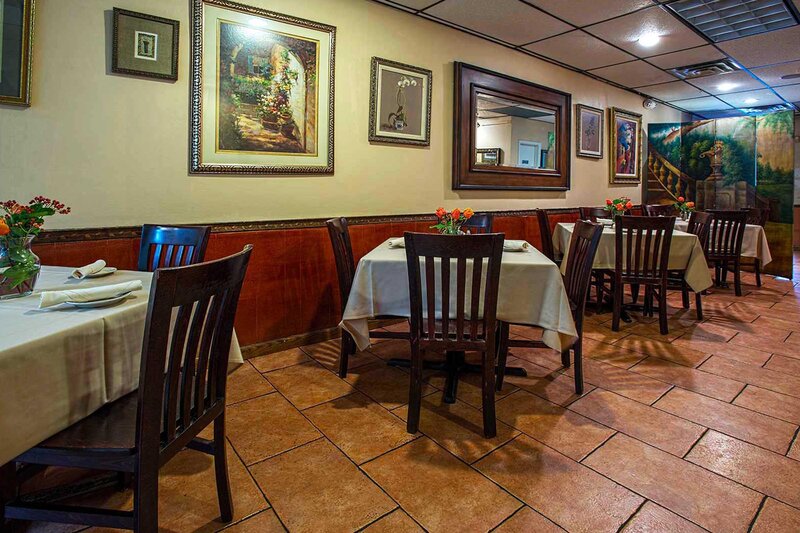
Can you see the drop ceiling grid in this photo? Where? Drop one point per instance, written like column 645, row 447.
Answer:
column 422, row 7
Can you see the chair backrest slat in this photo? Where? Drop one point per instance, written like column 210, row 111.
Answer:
column 656, row 210
column 700, row 224
column 475, row 298
column 757, row 216
column 642, row 246
column 578, row 272
column 546, row 234
column 172, row 246
column 478, row 223
column 461, row 283
column 339, row 234
column 726, row 233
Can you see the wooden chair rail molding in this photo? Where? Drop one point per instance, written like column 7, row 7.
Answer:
column 291, row 287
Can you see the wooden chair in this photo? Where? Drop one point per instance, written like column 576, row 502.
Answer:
column 143, row 430
column 756, row 216
column 478, row 223
column 699, row 224
column 724, row 246
column 642, row 256
column 346, row 271
column 591, row 214
column 434, row 331
column 548, row 249
column 577, row 277
column 658, row 210
column 172, row 246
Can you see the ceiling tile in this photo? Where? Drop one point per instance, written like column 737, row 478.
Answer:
column 583, row 12
column 507, row 20
column 676, row 90
column 413, row 4
column 790, row 92
column 625, row 32
column 772, row 75
column 579, row 49
column 701, row 54
column 633, row 74
column 762, row 97
column 766, row 48
column 731, row 82
column 708, row 103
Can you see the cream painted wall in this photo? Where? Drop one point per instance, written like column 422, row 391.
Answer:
column 115, row 148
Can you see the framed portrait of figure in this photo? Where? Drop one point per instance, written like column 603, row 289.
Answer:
column 400, row 103
column 625, row 146
column 145, row 45
column 261, row 91
column 16, row 42
column 589, row 131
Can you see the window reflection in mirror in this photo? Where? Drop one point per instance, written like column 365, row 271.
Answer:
column 511, row 133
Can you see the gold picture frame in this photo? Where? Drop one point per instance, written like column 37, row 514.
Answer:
column 624, row 146
column 400, row 103
column 15, row 80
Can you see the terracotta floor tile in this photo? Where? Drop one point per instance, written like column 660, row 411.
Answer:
column 716, row 331
column 762, row 470
column 689, row 378
column 602, row 333
column 786, row 365
column 561, row 489
column 248, row 422
column 458, row 428
column 613, row 355
column 470, row 386
column 539, row 356
column 794, row 452
column 655, row 427
column 653, row 331
column 395, row 522
column 386, row 385
column 274, row 361
column 770, row 403
column 705, row 498
column 762, row 430
column 316, row 488
column 745, row 354
column 327, row 354
column 653, row 518
column 308, row 384
column 754, row 375
column 663, row 350
column 264, row 522
column 777, row 517
column 244, row 383
column 630, row 384
column 548, row 384
column 391, row 348
column 568, row 432
column 773, row 345
column 359, row 427
column 439, row 491
column 526, row 520
column 778, row 323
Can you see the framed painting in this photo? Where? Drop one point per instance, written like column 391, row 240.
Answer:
column 625, row 146
column 261, row 92
column 145, row 45
column 489, row 156
column 589, row 131
column 16, row 40
column 400, row 103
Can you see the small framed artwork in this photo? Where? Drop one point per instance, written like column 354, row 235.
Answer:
column 145, row 45
column 16, row 40
column 589, row 131
column 261, row 91
column 489, row 156
column 400, row 103
column 625, row 146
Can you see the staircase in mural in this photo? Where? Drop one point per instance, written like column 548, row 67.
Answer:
column 665, row 183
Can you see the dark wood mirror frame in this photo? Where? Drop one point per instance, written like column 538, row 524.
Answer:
column 469, row 80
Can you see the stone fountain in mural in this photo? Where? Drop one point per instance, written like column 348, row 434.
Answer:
column 713, row 193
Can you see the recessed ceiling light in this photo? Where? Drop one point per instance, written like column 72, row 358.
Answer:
column 649, row 39
column 727, row 86
column 750, row 100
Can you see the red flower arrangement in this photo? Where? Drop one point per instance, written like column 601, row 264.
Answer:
column 618, row 206
column 450, row 222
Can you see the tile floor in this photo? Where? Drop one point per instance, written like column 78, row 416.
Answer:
column 691, row 431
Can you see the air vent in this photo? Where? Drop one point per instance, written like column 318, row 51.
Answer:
column 710, row 68
column 722, row 20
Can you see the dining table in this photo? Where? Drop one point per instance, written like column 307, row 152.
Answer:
column 754, row 242
column 60, row 364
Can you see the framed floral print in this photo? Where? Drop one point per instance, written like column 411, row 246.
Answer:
column 261, row 91
column 399, row 103
column 625, row 146
column 16, row 41
column 589, row 131
column 145, row 45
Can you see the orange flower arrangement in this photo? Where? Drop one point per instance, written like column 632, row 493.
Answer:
column 450, row 222
column 683, row 206
column 618, row 206
column 4, row 229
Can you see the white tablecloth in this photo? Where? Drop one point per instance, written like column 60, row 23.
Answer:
column 754, row 243
column 685, row 254
column 59, row 365
column 531, row 292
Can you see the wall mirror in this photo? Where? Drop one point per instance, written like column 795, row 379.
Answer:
column 509, row 133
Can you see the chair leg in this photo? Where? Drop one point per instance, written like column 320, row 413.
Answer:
column 415, row 389
column 684, row 294
column 489, row 419
column 145, row 500
column 635, row 292
column 617, row 306
column 699, row 305
column 737, row 278
column 8, row 489
column 578, row 350
column 502, row 353
column 565, row 358
column 662, row 308
column 346, row 347
column 221, row 470
column 601, row 277
column 758, row 272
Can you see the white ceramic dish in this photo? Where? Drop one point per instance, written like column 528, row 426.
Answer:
column 99, row 303
column 106, row 271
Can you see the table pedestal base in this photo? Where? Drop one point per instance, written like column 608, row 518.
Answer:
column 454, row 365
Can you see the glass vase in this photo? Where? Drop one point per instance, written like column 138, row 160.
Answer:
column 19, row 267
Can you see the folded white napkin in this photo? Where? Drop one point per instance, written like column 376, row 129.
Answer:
column 605, row 221
column 397, row 242
column 515, row 246
column 51, row 298
column 94, row 268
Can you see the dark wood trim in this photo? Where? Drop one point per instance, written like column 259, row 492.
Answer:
column 134, row 232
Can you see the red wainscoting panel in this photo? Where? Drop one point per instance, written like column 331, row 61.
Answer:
column 291, row 285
